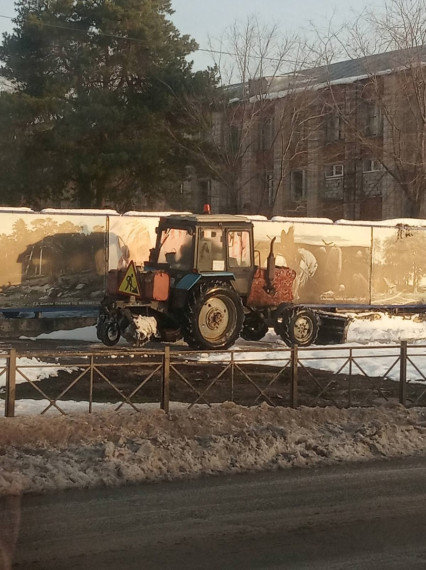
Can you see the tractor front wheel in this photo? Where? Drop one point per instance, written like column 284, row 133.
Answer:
column 108, row 330
column 296, row 325
column 214, row 316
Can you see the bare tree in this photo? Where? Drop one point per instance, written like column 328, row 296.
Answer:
column 255, row 131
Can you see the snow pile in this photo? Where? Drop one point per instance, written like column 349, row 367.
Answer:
column 146, row 327
column 112, row 448
column 386, row 329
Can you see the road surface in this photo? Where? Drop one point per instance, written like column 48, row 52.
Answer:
column 359, row 516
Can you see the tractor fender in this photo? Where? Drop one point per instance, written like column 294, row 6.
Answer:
column 184, row 286
column 188, row 281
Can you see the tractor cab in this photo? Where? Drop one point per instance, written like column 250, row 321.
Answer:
column 206, row 245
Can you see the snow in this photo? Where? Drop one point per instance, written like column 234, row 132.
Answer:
column 309, row 83
column 107, row 447
column 153, row 214
column 86, row 334
column 386, row 223
column 146, row 327
column 302, row 219
column 85, row 211
column 383, row 328
column 34, row 370
column 39, row 454
column 22, row 210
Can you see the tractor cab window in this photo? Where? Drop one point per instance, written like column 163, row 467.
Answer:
column 238, row 249
column 211, row 255
column 176, row 248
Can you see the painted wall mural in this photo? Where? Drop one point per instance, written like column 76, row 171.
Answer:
column 63, row 258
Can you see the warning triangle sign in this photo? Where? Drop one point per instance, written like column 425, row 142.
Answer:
column 129, row 284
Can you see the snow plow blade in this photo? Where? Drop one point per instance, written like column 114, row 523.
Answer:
column 333, row 328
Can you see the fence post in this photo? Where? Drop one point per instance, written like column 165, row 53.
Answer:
column 403, row 373
column 232, row 377
column 91, row 384
column 9, row 411
column 294, row 370
column 350, row 379
column 165, row 386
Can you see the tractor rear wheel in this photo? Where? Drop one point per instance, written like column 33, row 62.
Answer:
column 296, row 325
column 214, row 316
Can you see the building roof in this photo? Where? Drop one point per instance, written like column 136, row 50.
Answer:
column 342, row 72
column 371, row 64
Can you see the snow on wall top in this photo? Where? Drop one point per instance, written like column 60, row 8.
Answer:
column 17, row 210
column 253, row 217
column 84, row 211
column 392, row 222
column 152, row 214
column 303, row 220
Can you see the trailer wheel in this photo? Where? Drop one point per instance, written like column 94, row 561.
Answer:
column 214, row 316
column 254, row 327
column 297, row 326
column 108, row 331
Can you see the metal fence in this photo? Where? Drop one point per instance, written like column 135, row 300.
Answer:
column 316, row 376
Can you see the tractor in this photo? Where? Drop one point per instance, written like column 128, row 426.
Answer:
column 205, row 283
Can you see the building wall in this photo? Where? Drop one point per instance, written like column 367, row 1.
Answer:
column 322, row 159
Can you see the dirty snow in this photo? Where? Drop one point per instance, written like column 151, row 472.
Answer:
column 113, row 448
column 50, row 452
column 146, row 327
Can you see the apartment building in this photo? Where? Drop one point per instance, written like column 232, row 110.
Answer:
column 345, row 140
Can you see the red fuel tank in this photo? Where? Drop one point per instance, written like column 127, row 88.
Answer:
column 156, row 285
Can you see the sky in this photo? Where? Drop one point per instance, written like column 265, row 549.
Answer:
column 206, row 21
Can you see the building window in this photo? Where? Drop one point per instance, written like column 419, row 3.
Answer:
column 234, row 139
column 374, row 122
column 266, row 134
column 334, row 127
column 269, row 188
column 298, row 185
column 334, row 171
column 371, row 165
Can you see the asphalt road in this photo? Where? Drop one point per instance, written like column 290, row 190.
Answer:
column 359, row 516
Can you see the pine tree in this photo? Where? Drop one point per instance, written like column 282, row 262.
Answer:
column 95, row 109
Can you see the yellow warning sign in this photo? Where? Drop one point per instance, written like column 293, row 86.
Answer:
column 129, row 285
